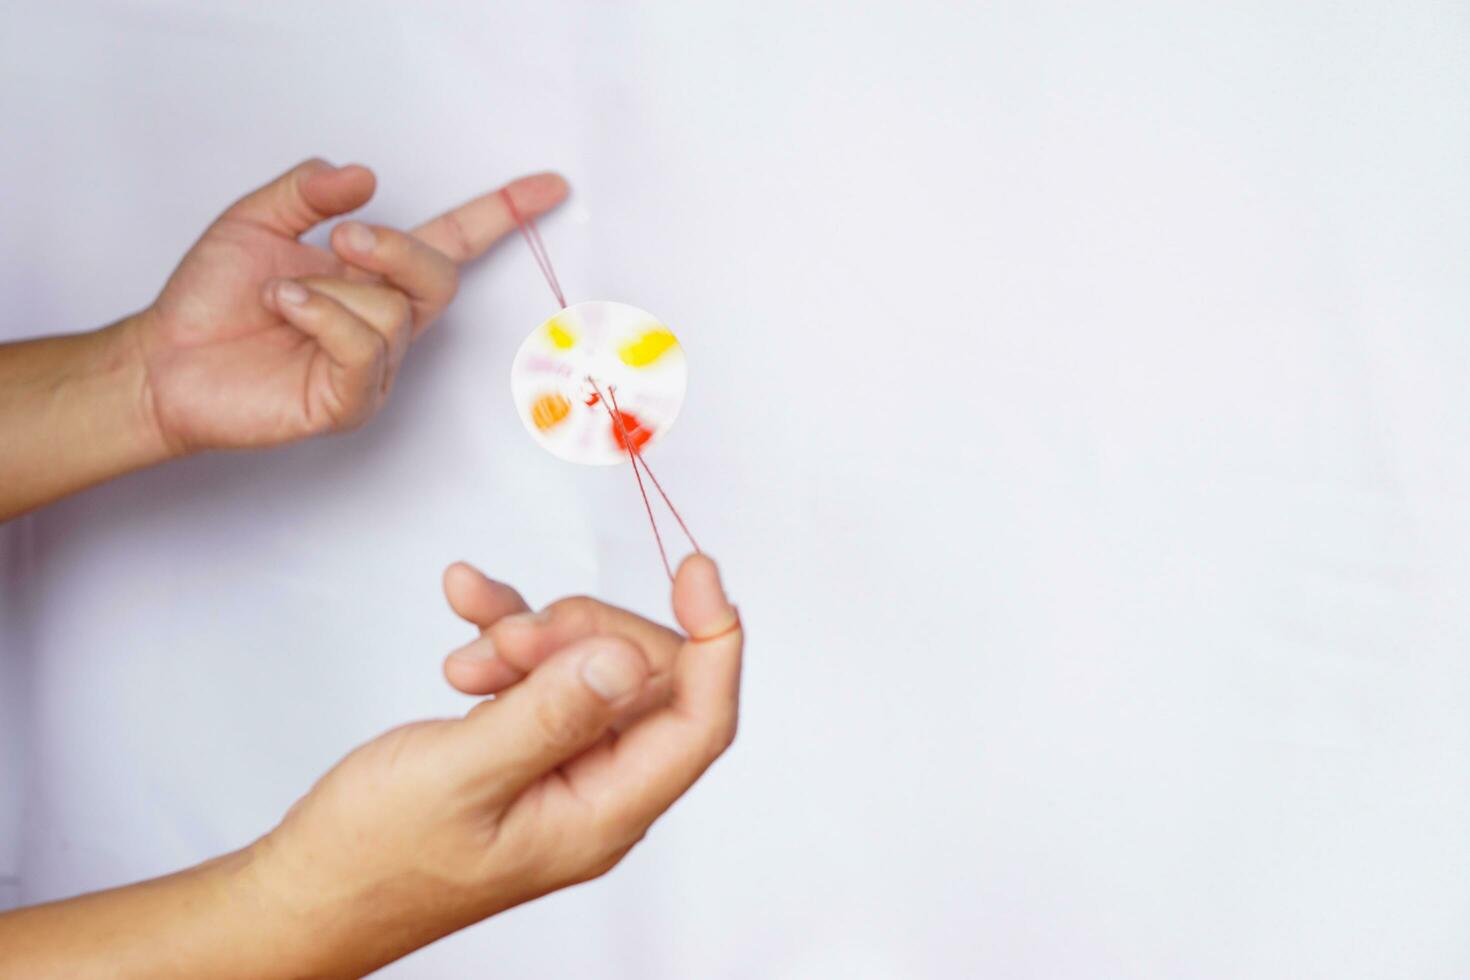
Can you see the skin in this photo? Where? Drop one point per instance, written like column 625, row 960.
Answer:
column 256, row 339
column 600, row 718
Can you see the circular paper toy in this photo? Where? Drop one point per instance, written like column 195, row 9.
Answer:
column 597, row 378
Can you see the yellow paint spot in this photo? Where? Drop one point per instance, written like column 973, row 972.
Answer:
column 561, row 334
column 649, row 347
column 549, row 410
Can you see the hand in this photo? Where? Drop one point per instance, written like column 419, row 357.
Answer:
column 259, row 339
column 437, row 825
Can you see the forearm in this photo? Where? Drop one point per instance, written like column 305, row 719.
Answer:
column 210, row 921
column 73, row 413
column 246, row 914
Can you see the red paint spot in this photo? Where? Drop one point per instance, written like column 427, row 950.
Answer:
column 593, row 399
column 638, row 433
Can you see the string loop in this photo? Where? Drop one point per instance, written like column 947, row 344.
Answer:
column 538, row 248
column 635, row 457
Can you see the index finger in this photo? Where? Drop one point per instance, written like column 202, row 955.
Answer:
column 465, row 232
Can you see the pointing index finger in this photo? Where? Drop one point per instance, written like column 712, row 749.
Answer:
column 466, row 232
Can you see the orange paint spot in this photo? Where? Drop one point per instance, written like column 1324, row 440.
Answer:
column 549, row 410
column 638, row 433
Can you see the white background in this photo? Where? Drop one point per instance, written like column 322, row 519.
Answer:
column 1080, row 401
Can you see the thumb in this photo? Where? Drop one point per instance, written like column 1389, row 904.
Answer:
column 556, row 713
column 306, row 195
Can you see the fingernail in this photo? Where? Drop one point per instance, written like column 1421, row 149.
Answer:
column 291, row 292
column 611, row 674
column 476, row 650
column 359, row 237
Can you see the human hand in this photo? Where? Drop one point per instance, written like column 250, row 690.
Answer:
column 259, row 339
column 603, row 720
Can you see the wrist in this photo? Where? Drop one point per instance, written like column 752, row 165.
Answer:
column 75, row 410
column 102, row 389
column 121, row 358
column 323, row 919
column 289, row 935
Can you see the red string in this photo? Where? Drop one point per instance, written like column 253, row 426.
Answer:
column 538, row 248
column 635, row 457
column 543, row 259
column 657, row 486
column 721, row 634
column 672, row 509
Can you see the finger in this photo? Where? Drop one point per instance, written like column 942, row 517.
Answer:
column 305, row 195
column 655, row 761
column 474, row 668
column 552, row 716
column 476, row 598
column 707, row 675
column 699, row 601
column 383, row 308
column 524, row 640
column 467, row 231
column 357, row 354
column 425, row 275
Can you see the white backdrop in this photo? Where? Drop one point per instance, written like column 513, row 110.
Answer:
column 1080, row 401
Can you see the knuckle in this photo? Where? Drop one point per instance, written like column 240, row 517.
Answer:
column 559, row 723
column 721, row 737
column 605, row 863
column 577, row 610
column 360, row 411
column 371, row 349
column 382, row 348
column 354, row 421
column 482, row 707
column 617, row 832
column 460, row 238
column 591, row 848
column 398, row 310
column 450, row 288
column 601, row 851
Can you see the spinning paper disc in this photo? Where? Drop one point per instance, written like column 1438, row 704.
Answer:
column 633, row 359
